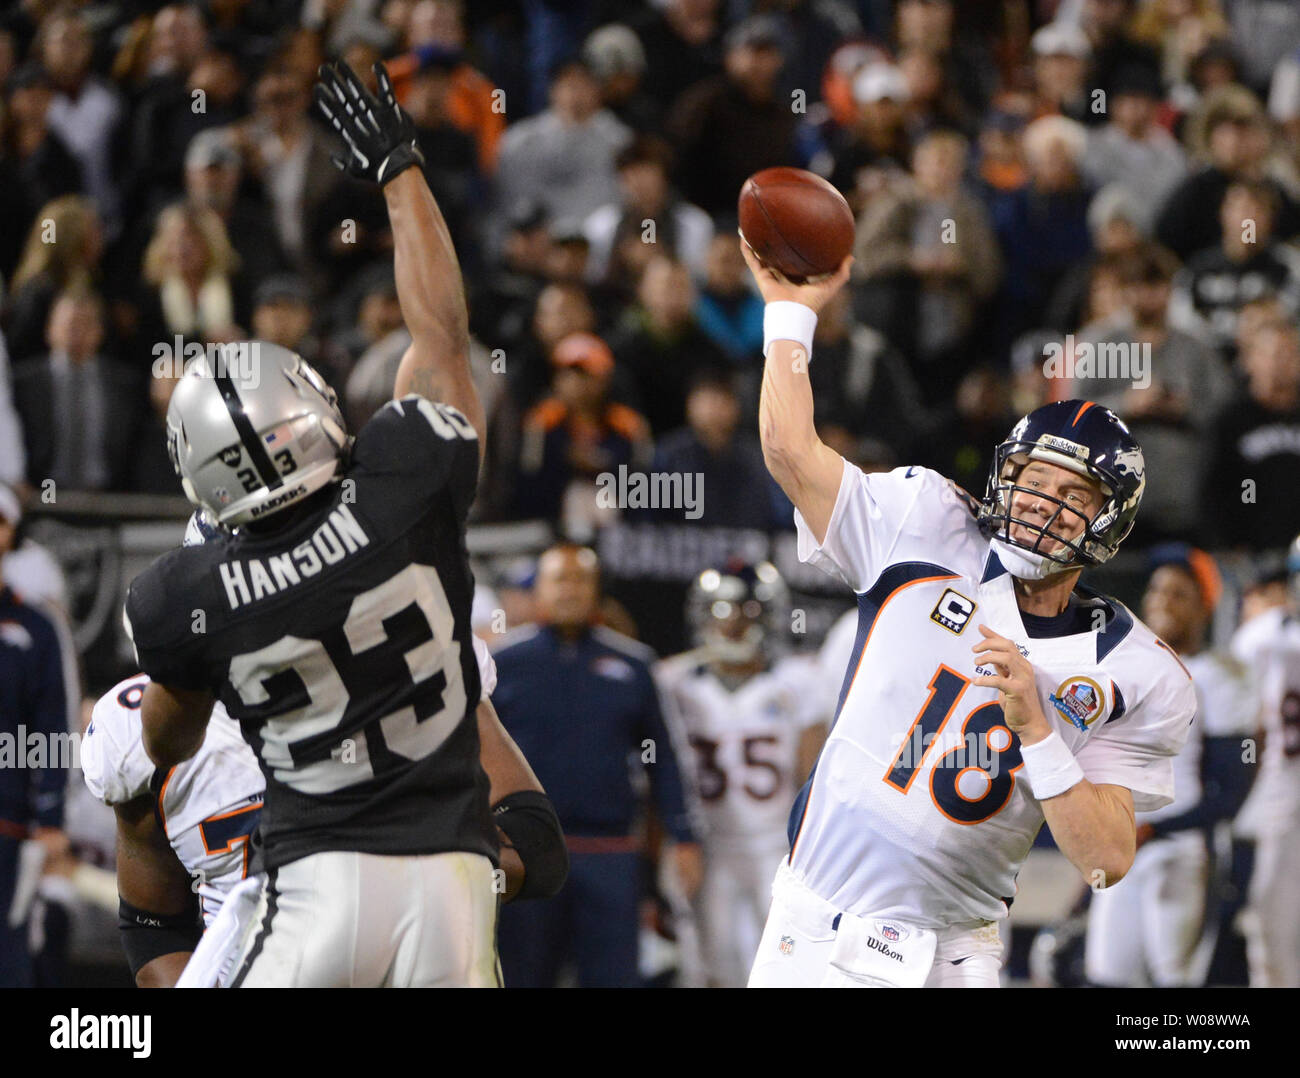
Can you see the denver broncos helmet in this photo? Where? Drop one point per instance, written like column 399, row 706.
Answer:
column 737, row 610
column 1084, row 438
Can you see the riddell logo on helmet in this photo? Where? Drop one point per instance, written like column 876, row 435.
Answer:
column 279, row 500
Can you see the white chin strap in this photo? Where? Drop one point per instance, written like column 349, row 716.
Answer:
column 1023, row 564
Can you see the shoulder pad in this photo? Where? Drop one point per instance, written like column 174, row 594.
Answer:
column 113, row 761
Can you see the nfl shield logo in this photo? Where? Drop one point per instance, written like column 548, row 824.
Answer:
column 787, row 945
column 889, row 932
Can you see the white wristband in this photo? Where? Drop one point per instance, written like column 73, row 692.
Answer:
column 1050, row 766
column 785, row 320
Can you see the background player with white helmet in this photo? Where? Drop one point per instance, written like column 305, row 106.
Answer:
column 335, row 617
column 1269, row 644
column 985, row 694
column 1151, row 929
column 753, row 719
column 189, row 832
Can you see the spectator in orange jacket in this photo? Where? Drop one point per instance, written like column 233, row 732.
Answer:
column 575, row 435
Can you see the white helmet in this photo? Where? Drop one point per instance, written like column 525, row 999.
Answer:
column 253, row 429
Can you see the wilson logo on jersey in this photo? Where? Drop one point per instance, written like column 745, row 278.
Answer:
column 1079, row 700
column 953, row 611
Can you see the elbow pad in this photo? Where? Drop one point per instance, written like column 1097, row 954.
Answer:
column 528, row 820
column 146, row 936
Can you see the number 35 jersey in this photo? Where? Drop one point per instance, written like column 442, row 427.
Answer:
column 342, row 647
column 746, row 742
column 918, row 808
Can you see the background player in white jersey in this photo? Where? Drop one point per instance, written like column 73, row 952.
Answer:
column 1151, row 929
column 1269, row 644
column 754, row 722
column 986, row 692
column 190, row 831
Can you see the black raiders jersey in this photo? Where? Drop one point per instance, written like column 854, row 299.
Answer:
column 342, row 646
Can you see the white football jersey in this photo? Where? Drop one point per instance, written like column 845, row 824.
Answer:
column 745, row 742
column 1269, row 645
column 1226, row 706
column 918, row 808
column 208, row 805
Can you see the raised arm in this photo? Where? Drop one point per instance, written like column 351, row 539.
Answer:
column 807, row 469
column 381, row 147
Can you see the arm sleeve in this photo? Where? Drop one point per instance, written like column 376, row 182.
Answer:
column 665, row 773
column 1137, row 750
column 166, row 647
column 48, row 714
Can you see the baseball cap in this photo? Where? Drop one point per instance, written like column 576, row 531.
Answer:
column 757, row 31
column 1061, row 39
column 876, row 82
column 281, row 286
column 584, row 350
column 614, row 50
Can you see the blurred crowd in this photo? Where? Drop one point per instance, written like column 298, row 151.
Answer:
column 1083, row 176
column 1054, row 198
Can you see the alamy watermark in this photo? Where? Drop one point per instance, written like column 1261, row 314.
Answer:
column 1119, row 360
column 238, row 360
column 651, row 490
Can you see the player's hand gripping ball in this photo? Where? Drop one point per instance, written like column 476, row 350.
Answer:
column 1014, row 680
column 795, row 222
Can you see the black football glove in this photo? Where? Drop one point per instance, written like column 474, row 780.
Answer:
column 380, row 137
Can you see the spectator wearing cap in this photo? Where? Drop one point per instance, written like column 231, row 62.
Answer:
column 372, row 313
column 649, row 217
column 1114, row 49
column 214, row 171
column 1245, row 264
column 875, row 151
column 617, row 59
column 43, row 168
column 1172, row 408
column 78, row 411
column 1042, row 227
column 1254, row 447
column 737, row 490
column 34, row 695
column 1061, row 52
column 435, row 38
column 282, row 314
column 575, row 435
column 682, row 41
column 926, row 259
column 660, row 345
column 1230, row 133
column 1000, row 164
column 1113, row 216
column 85, row 112
column 730, row 126
column 564, row 155
column 728, row 309
column 1132, row 150
column 501, row 307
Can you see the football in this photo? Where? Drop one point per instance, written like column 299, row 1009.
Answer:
column 796, row 222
